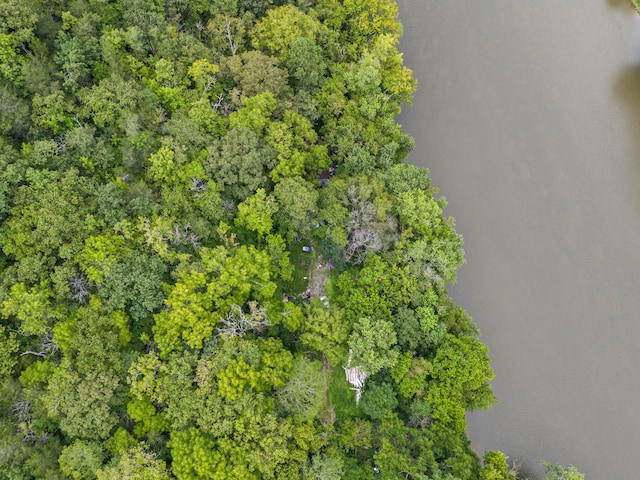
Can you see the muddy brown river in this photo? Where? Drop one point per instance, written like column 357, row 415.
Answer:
column 528, row 116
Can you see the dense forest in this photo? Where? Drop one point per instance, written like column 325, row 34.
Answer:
column 214, row 263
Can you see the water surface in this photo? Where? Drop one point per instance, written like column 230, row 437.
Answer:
column 528, row 116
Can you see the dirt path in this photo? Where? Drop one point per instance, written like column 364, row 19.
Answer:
column 318, row 275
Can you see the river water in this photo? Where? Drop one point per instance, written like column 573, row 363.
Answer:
column 528, row 116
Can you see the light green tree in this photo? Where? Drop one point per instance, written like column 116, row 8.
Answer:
column 17, row 25
column 325, row 467
column 255, row 113
column 203, row 294
column 281, row 26
column 367, row 19
column 31, row 307
column 100, row 255
column 256, row 213
column 495, row 467
column 558, row 472
column 372, row 342
column 51, row 220
column 137, row 463
column 107, row 103
column 326, row 331
column 297, row 200
column 462, row 365
column 204, row 74
column 81, row 460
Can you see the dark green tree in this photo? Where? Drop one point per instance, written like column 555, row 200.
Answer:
column 239, row 162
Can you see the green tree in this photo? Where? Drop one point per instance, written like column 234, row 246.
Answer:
column 83, row 404
column 31, row 307
column 108, row 102
column 51, row 219
column 90, row 153
column 77, row 50
column 81, row 460
column 137, row 463
column 326, row 331
column 374, row 290
column 281, row 26
column 228, row 32
column 295, row 141
column 256, row 213
column 148, row 16
column 302, row 394
column 372, row 342
column 238, row 163
column 403, row 177
column 402, row 451
column 557, row 472
column 227, row 278
column 297, row 201
column 325, row 467
column 17, row 25
column 9, row 346
column 14, row 114
column 306, row 64
column 256, row 73
column 437, row 252
column 495, row 467
column 92, row 338
column 378, row 400
column 410, row 374
column 135, row 285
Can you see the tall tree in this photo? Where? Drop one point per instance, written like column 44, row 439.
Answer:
column 136, row 463
column 239, row 162
column 281, row 26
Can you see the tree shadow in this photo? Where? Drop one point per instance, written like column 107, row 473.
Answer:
column 627, row 91
column 626, row 87
column 621, row 4
column 526, row 471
